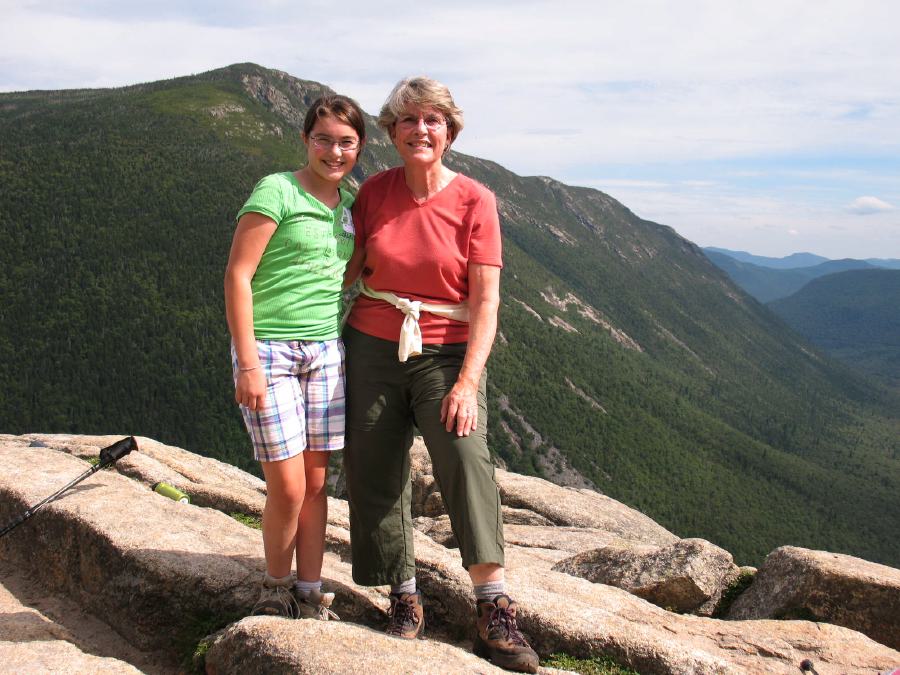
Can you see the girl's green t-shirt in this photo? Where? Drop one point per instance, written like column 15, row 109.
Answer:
column 297, row 285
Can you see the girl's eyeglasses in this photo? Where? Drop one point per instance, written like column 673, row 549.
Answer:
column 326, row 143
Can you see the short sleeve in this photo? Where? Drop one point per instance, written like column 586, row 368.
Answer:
column 484, row 245
column 267, row 198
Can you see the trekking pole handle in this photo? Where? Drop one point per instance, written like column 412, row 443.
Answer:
column 116, row 451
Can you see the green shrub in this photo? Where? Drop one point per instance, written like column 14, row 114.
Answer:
column 730, row 594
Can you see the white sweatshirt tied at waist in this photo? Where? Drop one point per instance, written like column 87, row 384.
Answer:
column 410, row 333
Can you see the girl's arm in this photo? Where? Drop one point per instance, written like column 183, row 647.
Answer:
column 354, row 267
column 484, row 301
column 253, row 233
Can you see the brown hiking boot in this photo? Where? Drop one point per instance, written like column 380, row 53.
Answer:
column 406, row 616
column 499, row 640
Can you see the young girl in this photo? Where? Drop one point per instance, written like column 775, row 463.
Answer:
column 283, row 300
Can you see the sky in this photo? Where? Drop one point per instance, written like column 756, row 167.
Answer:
column 769, row 127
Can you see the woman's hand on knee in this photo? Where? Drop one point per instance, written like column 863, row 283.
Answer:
column 459, row 408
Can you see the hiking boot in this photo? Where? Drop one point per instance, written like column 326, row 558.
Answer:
column 406, row 616
column 276, row 599
column 498, row 639
column 315, row 605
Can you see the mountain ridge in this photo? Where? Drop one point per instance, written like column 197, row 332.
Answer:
column 767, row 284
column 792, row 261
column 795, row 260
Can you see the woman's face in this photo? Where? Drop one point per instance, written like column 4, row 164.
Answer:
column 420, row 135
column 332, row 148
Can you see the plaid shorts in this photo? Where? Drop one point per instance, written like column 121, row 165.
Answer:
column 305, row 399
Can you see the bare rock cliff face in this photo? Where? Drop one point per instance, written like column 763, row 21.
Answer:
column 162, row 575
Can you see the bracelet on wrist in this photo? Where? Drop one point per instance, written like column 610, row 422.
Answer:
column 247, row 370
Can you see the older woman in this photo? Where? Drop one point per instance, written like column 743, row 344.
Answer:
column 418, row 337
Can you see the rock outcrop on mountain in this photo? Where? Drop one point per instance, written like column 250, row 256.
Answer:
column 687, row 576
column 265, row 645
column 798, row 583
column 168, row 577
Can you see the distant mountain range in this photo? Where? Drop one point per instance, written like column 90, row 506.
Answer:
column 626, row 361
column 794, row 260
column 849, row 308
column 788, row 262
column 772, row 283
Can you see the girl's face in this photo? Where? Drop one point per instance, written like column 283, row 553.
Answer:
column 332, row 148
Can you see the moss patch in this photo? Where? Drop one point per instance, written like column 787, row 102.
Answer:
column 248, row 520
column 596, row 665
column 198, row 659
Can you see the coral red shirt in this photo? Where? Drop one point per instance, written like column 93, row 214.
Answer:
column 421, row 251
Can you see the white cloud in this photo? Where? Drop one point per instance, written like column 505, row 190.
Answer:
column 768, row 223
column 701, row 80
column 549, row 87
column 607, row 183
column 864, row 206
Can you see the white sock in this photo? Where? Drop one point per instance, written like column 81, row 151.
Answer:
column 490, row 590
column 404, row 588
column 306, row 587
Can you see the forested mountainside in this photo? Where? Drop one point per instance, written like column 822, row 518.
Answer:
column 854, row 316
column 767, row 283
column 626, row 360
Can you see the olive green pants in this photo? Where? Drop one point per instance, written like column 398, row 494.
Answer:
column 385, row 399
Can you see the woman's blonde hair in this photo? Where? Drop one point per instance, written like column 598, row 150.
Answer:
column 422, row 92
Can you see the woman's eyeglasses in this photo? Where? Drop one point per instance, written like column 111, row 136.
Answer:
column 432, row 121
column 326, row 143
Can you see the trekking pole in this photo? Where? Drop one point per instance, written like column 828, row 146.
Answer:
column 108, row 455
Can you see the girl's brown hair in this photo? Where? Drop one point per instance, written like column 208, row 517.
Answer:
column 340, row 107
